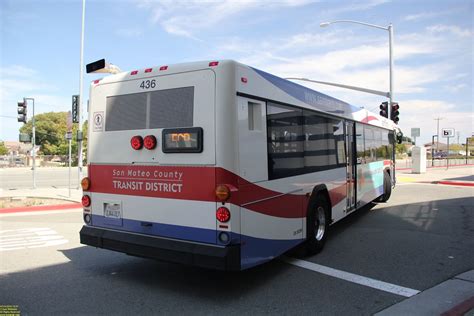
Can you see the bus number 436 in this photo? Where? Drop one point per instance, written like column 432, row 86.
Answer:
column 147, row 84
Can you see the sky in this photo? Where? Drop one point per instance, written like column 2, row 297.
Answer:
column 433, row 49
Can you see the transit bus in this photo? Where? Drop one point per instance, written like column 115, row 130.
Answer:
column 221, row 165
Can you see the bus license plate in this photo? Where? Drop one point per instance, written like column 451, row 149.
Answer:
column 113, row 210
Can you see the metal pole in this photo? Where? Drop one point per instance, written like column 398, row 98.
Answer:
column 437, row 133
column 432, row 151
column 467, row 147
column 390, row 49
column 34, row 141
column 79, row 142
column 69, row 186
column 447, row 157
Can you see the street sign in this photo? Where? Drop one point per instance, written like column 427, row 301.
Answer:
column 69, row 121
column 68, row 135
column 447, row 132
column 415, row 132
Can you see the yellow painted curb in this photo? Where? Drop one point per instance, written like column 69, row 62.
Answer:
column 405, row 179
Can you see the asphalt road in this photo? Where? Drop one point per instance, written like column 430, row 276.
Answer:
column 421, row 237
column 21, row 178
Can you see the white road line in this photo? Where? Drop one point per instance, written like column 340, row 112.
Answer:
column 29, row 238
column 354, row 278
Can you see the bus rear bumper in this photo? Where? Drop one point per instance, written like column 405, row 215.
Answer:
column 178, row 251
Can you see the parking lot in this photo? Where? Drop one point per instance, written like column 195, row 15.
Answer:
column 423, row 236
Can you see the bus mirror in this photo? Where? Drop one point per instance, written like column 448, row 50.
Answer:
column 399, row 137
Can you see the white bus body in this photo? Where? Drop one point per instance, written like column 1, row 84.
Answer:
column 279, row 148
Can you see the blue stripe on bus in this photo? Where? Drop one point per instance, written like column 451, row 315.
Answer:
column 255, row 251
column 309, row 96
column 157, row 229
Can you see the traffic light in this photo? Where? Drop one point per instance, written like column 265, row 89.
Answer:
column 75, row 109
column 394, row 112
column 384, row 109
column 22, row 111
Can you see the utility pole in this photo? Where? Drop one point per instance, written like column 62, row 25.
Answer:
column 437, row 133
column 79, row 131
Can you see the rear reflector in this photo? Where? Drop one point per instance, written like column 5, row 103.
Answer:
column 149, row 142
column 223, row 214
column 96, row 81
column 136, row 142
column 213, row 63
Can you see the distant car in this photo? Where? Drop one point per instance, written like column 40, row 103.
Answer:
column 19, row 162
column 440, row 155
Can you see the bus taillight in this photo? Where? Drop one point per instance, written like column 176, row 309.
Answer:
column 149, row 142
column 223, row 214
column 136, row 142
column 86, row 200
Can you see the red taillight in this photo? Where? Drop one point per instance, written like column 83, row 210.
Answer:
column 134, row 72
column 213, row 63
column 243, row 79
column 148, row 70
column 96, row 81
column 163, row 68
column 136, row 142
column 223, row 214
column 86, row 200
column 149, row 142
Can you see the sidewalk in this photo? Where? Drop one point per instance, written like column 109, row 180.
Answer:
column 459, row 175
column 451, row 297
column 48, row 192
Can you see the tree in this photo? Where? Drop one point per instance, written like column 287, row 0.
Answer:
column 51, row 128
column 3, row 149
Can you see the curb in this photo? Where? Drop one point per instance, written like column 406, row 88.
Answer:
column 460, row 183
column 437, row 167
column 56, row 207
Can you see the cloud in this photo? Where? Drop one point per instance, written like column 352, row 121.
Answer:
column 356, row 6
column 422, row 16
column 185, row 18
column 453, row 29
column 455, row 88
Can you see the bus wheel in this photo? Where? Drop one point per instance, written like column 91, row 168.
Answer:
column 387, row 188
column 317, row 225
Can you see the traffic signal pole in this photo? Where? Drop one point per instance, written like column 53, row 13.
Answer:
column 33, row 141
column 79, row 131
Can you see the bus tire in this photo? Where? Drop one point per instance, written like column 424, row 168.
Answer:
column 387, row 188
column 317, row 225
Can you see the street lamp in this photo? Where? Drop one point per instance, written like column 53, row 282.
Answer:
column 389, row 28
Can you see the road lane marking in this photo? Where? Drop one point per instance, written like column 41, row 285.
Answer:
column 354, row 278
column 27, row 238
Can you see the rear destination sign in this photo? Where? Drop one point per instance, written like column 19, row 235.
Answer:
column 141, row 180
column 154, row 181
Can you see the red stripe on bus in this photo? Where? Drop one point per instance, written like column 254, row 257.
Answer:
column 198, row 183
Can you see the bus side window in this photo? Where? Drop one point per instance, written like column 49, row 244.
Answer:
column 360, row 143
column 255, row 116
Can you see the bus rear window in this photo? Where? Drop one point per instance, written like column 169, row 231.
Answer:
column 155, row 109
